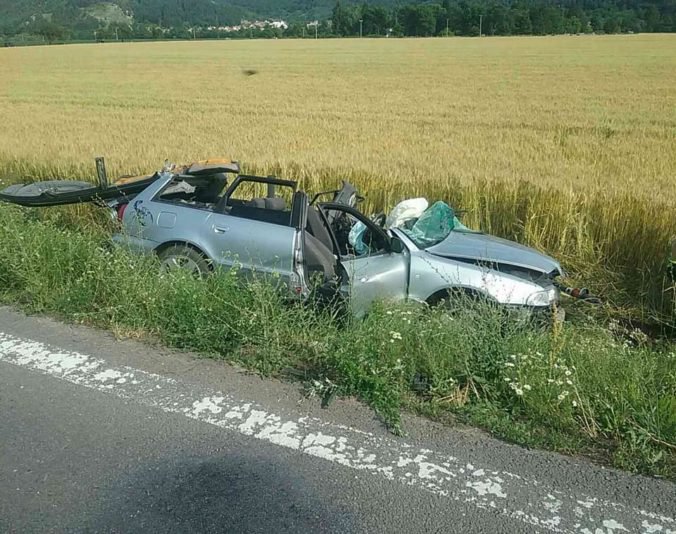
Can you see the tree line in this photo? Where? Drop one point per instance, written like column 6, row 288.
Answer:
column 493, row 17
column 450, row 17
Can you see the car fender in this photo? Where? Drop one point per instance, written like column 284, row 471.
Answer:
column 431, row 274
column 177, row 242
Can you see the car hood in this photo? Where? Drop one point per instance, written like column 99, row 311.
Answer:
column 475, row 246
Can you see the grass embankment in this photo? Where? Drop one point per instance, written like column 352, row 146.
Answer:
column 574, row 388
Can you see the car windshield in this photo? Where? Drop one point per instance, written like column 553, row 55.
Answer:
column 433, row 226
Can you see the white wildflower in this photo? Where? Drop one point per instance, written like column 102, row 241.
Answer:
column 568, row 373
column 507, row 379
column 569, row 382
column 527, row 387
column 518, row 391
column 574, row 404
column 509, row 364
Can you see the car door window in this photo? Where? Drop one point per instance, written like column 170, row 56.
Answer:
column 259, row 199
column 355, row 235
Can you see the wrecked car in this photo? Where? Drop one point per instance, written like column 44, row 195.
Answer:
column 196, row 218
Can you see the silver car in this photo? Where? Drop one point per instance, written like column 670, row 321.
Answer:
column 266, row 226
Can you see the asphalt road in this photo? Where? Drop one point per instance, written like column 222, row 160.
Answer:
column 99, row 435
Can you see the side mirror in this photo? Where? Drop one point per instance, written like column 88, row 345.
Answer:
column 396, row 246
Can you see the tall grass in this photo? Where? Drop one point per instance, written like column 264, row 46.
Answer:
column 564, row 143
column 572, row 388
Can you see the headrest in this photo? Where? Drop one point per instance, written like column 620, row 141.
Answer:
column 256, row 203
column 276, row 203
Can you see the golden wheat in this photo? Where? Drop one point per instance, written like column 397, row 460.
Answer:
column 568, row 143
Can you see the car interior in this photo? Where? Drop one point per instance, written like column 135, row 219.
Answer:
column 207, row 192
column 321, row 254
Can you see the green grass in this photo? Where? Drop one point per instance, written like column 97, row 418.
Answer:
column 576, row 388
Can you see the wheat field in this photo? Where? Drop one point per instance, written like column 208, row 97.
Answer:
column 566, row 143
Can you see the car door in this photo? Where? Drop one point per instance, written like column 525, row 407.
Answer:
column 257, row 241
column 379, row 270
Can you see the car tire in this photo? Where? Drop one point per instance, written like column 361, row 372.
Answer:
column 184, row 258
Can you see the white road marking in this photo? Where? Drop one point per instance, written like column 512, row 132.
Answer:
column 529, row 501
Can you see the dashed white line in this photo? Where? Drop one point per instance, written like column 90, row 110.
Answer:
column 529, row 501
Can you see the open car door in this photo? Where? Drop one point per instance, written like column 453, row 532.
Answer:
column 374, row 265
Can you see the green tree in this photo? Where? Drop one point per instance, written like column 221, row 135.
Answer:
column 376, row 19
column 340, row 20
column 50, row 31
column 522, row 22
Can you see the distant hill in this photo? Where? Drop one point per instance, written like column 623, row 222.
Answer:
column 162, row 12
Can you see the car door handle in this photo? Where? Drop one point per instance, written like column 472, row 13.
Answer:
column 221, row 229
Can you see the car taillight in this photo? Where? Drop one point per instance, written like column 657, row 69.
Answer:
column 120, row 211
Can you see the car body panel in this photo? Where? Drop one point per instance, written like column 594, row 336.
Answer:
column 484, row 247
column 226, row 240
column 378, row 277
column 431, row 274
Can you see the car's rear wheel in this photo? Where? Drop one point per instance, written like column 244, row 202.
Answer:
column 183, row 257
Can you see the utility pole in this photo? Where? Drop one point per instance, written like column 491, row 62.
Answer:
column 446, row 27
column 361, row 27
column 481, row 20
column 317, row 30
column 117, row 38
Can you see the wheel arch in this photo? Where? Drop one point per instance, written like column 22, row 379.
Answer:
column 458, row 291
column 177, row 242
